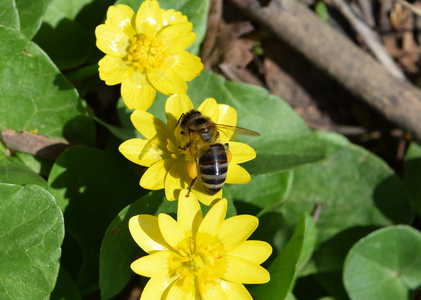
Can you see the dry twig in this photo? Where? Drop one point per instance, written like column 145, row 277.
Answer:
column 370, row 38
column 397, row 100
column 410, row 6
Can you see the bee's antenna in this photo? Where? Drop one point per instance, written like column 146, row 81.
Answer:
column 179, row 119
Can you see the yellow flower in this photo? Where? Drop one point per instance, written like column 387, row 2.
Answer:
column 168, row 164
column 196, row 257
column 145, row 52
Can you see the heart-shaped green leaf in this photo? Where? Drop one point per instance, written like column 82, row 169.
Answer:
column 30, row 14
column 384, row 265
column 91, row 187
column 412, row 175
column 350, row 188
column 35, row 95
column 31, row 234
column 262, row 192
column 66, row 40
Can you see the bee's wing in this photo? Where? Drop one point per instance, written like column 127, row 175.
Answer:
column 231, row 132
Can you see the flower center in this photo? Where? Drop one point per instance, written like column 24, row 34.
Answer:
column 195, row 264
column 146, row 52
column 206, row 261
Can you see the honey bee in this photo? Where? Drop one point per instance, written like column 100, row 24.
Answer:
column 211, row 157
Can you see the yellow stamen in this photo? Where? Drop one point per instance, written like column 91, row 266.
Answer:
column 146, row 52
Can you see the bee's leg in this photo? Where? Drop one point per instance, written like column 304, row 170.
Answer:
column 184, row 147
column 192, row 169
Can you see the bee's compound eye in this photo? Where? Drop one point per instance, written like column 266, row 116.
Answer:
column 182, row 132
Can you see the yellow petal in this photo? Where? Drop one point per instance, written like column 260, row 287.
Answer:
column 236, row 230
column 153, row 178
column 234, row 290
column 179, row 36
column 172, row 17
column 180, row 292
column 166, row 79
column 149, row 125
column 210, row 290
column 172, row 232
column 145, row 231
column 227, row 116
column 241, row 152
column 123, row 17
column 203, row 196
column 243, row 271
column 189, row 214
column 156, row 287
column 153, row 265
column 149, row 18
column 213, row 220
column 185, row 64
column 254, row 251
column 131, row 149
column 137, row 92
column 237, row 174
column 176, row 180
column 111, row 40
column 210, row 108
column 175, row 106
column 113, row 70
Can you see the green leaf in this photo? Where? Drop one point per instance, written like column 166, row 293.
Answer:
column 30, row 13
column 59, row 10
column 195, row 10
column 352, row 187
column 310, row 239
column 31, row 233
column 65, row 288
column 384, row 265
column 119, row 250
column 67, row 32
column 12, row 170
column 36, row 96
column 68, row 44
column 91, row 187
column 308, row 287
column 284, row 267
column 9, row 16
column 290, row 297
column 412, row 175
column 262, row 192
column 38, row 165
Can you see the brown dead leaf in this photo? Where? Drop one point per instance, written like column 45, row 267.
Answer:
column 401, row 45
column 39, row 145
column 214, row 18
column 223, row 43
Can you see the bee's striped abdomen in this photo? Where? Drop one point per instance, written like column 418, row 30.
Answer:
column 213, row 164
